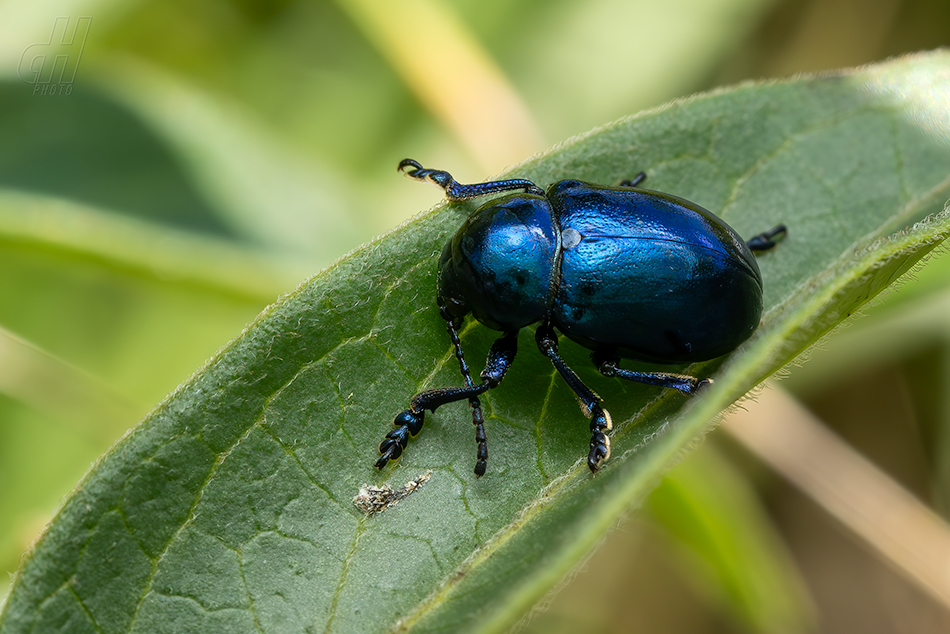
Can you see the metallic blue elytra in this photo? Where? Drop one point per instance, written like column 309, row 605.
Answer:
column 625, row 272
column 651, row 276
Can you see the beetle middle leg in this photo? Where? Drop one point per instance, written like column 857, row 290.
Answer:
column 409, row 422
column 600, row 422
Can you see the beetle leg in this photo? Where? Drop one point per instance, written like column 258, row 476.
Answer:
column 767, row 239
column 478, row 419
column 607, row 365
column 409, row 422
column 600, row 422
column 455, row 190
column 636, row 180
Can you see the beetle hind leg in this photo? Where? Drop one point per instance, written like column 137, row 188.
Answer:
column 635, row 181
column 607, row 365
column 767, row 239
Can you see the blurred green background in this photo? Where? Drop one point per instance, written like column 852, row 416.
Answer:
column 207, row 156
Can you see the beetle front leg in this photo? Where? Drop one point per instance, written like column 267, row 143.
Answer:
column 606, row 364
column 600, row 422
column 409, row 422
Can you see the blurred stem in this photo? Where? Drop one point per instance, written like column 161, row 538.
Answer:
column 722, row 533
column 451, row 74
column 897, row 526
column 910, row 328
column 941, row 453
column 929, row 384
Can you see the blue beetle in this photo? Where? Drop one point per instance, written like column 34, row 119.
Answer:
column 625, row 272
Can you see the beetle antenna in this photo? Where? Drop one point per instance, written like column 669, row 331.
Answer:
column 478, row 419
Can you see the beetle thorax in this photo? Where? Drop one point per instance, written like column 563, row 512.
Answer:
column 499, row 266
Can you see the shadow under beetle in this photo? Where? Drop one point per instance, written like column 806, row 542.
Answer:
column 625, row 272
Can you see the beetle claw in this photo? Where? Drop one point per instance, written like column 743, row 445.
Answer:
column 599, row 452
column 395, row 441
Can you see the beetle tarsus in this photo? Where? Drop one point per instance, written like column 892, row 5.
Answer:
column 636, row 180
column 409, row 422
column 767, row 239
column 599, row 441
column 395, row 441
column 481, row 461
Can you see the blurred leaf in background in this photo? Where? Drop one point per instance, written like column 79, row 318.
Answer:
column 213, row 154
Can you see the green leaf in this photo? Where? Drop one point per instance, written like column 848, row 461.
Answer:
column 104, row 315
column 131, row 171
column 229, row 508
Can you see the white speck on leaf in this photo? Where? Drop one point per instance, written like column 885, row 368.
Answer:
column 373, row 500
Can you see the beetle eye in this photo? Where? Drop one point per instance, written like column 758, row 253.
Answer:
column 570, row 238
